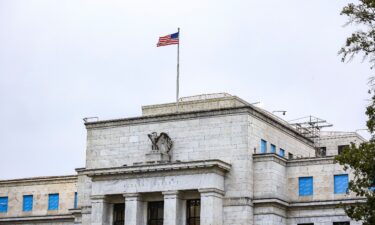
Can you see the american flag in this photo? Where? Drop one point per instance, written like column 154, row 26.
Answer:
column 171, row 39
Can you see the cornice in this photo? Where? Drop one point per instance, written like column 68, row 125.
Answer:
column 157, row 167
column 40, row 180
column 306, row 204
column 261, row 157
column 264, row 157
column 311, row 161
column 46, row 218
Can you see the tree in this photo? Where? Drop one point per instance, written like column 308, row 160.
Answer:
column 361, row 159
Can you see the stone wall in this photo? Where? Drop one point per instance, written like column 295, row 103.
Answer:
column 40, row 187
column 322, row 170
column 331, row 140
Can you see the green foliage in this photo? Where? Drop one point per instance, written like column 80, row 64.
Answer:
column 361, row 41
column 361, row 159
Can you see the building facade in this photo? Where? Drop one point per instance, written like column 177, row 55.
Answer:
column 218, row 161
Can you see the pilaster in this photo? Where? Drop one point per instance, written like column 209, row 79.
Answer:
column 211, row 206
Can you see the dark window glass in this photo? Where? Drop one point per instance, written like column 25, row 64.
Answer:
column 155, row 213
column 341, row 148
column 290, row 155
column 321, row 151
column 118, row 214
column 341, row 223
column 193, row 214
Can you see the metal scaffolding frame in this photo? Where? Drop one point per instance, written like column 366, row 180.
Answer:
column 310, row 127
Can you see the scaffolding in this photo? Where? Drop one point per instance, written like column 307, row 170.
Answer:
column 310, row 127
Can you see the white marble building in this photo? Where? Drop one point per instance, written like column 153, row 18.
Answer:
column 218, row 161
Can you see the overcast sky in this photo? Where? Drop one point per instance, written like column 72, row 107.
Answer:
column 61, row 61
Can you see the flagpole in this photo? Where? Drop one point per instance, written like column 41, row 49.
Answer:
column 178, row 70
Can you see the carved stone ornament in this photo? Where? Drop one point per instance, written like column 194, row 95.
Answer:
column 161, row 145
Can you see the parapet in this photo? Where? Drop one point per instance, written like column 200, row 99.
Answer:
column 196, row 103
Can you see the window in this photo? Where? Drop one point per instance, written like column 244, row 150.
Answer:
column 341, row 223
column 27, row 203
column 53, row 201
column 341, row 148
column 263, row 146
column 3, row 204
column 155, row 213
column 282, row 152
column 372, row 187
column 321, row 152
column 306, row 186
column 341, row 183
column 118, row 214
column 290, row 155
column 193, row 212
column 75, row 200
column 273, row 148
column 305, row 224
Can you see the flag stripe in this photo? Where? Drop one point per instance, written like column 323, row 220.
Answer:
column 171, row 39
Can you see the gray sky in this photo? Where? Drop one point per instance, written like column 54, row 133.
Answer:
column 61, row 61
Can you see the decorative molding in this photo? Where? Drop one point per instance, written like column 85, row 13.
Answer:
column 311, row 161
column 313, row 204
column 46, row 218
column 263, row 157
column 215, row 165
column 237, row 201
column 40, row 180
column 211, row 191
column 131, row 195
column 266, row 157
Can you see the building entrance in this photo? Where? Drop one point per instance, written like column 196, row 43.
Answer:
column 155, row 213
column 118, row 214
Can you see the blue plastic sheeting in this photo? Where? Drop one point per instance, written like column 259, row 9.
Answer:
column 282, row 152
column 53, row 201
column 263, row 146
column 341, row 183
column 273, row 148
column 306, row 187
column 27, row 203
column 75, row 200
column 3, row 204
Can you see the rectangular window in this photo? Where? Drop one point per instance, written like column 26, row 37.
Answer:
column 341, row 148
column 290, row 155
column 193, row 212
column 118, row 214
column 273, row 148
column 341, row 223
column 263, row 146
column 75, row 200
column 321, row 151
column 53, row 201
column 155, row 215
column 27, row 203
column 372, row 187
column 341, row 183
column 3, row 204
column 282, row 152
column 306, row 186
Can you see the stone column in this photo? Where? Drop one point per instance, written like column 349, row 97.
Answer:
column 100, row 210
column 133, row 209
column 172, row 208
column 211, row 206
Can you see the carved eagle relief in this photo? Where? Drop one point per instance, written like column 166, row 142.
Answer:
column 162, row 143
